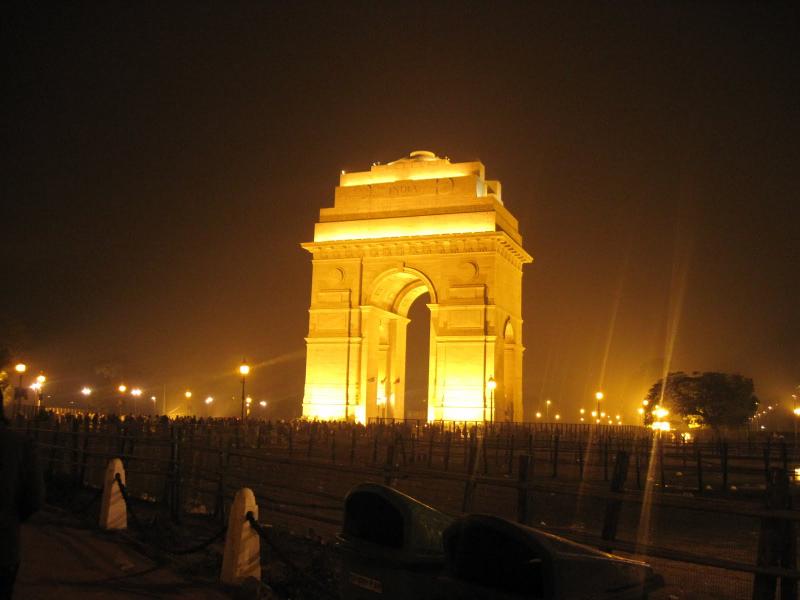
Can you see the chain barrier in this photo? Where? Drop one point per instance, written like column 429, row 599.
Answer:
column 95, row 497
column 259, row 529
column 179, row 551
column 123, row 489
column 313, row 505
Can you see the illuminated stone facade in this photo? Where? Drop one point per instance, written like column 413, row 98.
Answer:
column 419, row 224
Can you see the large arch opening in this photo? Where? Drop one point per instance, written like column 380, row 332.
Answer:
column 418, row 340
column 390, row 302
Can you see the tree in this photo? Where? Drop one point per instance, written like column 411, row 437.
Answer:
column 716, row 400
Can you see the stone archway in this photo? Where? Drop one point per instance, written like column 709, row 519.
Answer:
column 420, row 224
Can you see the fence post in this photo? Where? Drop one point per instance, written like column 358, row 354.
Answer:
column 219, row 509
column 777, row 546
column 556, row 441
column 353, row 441
column 767, row 457
column 605, row 459
column 470, row 484
column 448, row 440
column 389, row 467
column 113, row 512
column 614, row 506
column 724, row 464
column 430, row 448
column 511, row 453
column 242, row 556
column 699, row 459
column 523, row 495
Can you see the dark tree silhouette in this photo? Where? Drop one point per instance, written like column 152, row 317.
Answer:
column 715, row 400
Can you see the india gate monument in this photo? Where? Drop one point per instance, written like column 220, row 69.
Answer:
column 421, row 224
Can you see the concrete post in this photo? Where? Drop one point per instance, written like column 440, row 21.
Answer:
column 113, row 512
column 242, row 556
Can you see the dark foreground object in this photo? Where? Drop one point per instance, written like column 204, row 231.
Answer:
column 396, row 547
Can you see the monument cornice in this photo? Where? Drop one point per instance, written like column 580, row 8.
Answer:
column 450, row 243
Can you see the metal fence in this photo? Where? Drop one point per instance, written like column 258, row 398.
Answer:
column 713, row 515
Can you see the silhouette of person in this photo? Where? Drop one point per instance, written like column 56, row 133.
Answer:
column 21, row 495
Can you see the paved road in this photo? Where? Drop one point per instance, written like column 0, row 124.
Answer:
column 64, row 558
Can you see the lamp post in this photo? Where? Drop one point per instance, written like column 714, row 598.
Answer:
column 547, row 404
column 20, row 392
column 209, row 402
column 491, row 385
column 598, row 396
column 244, row 370
column 188, row 395
column 796, row 412
column 121, row 388
column 40, row 379
column 135, row 392
column 86, row 391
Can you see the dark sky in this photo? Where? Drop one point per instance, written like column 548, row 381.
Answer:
column 165, row 161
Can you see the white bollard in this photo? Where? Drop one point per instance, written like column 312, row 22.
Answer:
column 113, row 512
column 242, row 556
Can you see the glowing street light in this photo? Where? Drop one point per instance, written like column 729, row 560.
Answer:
column 86, row 391
column 538, row 415
column 244, row 371
column 209, row 400
column 598, row 396
column 491, row 385
column 187, row 394
column 136, row 392
column 38, row 387
column 122, row 388
column 20, row 368
column 263, row 404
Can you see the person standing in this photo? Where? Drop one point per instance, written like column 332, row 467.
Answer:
column 21, row 495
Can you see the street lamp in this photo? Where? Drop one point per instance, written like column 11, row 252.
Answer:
column 263, row 404
column 547, row 409
column 209, row 401
column 38, row 386
column 248, row 401
column 20, row 368
column 20, row 392
column 244, row 371
column 86, row 391
column 135, row 392
column 598, row 396
column 491, row 385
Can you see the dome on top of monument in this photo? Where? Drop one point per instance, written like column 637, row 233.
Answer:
column 418, row 156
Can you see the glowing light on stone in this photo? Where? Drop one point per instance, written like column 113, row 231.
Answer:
column 423, row 224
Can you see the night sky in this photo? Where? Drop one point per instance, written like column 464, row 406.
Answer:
column 165, row 161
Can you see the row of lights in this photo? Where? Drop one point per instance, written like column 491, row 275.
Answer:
column 136, row 392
